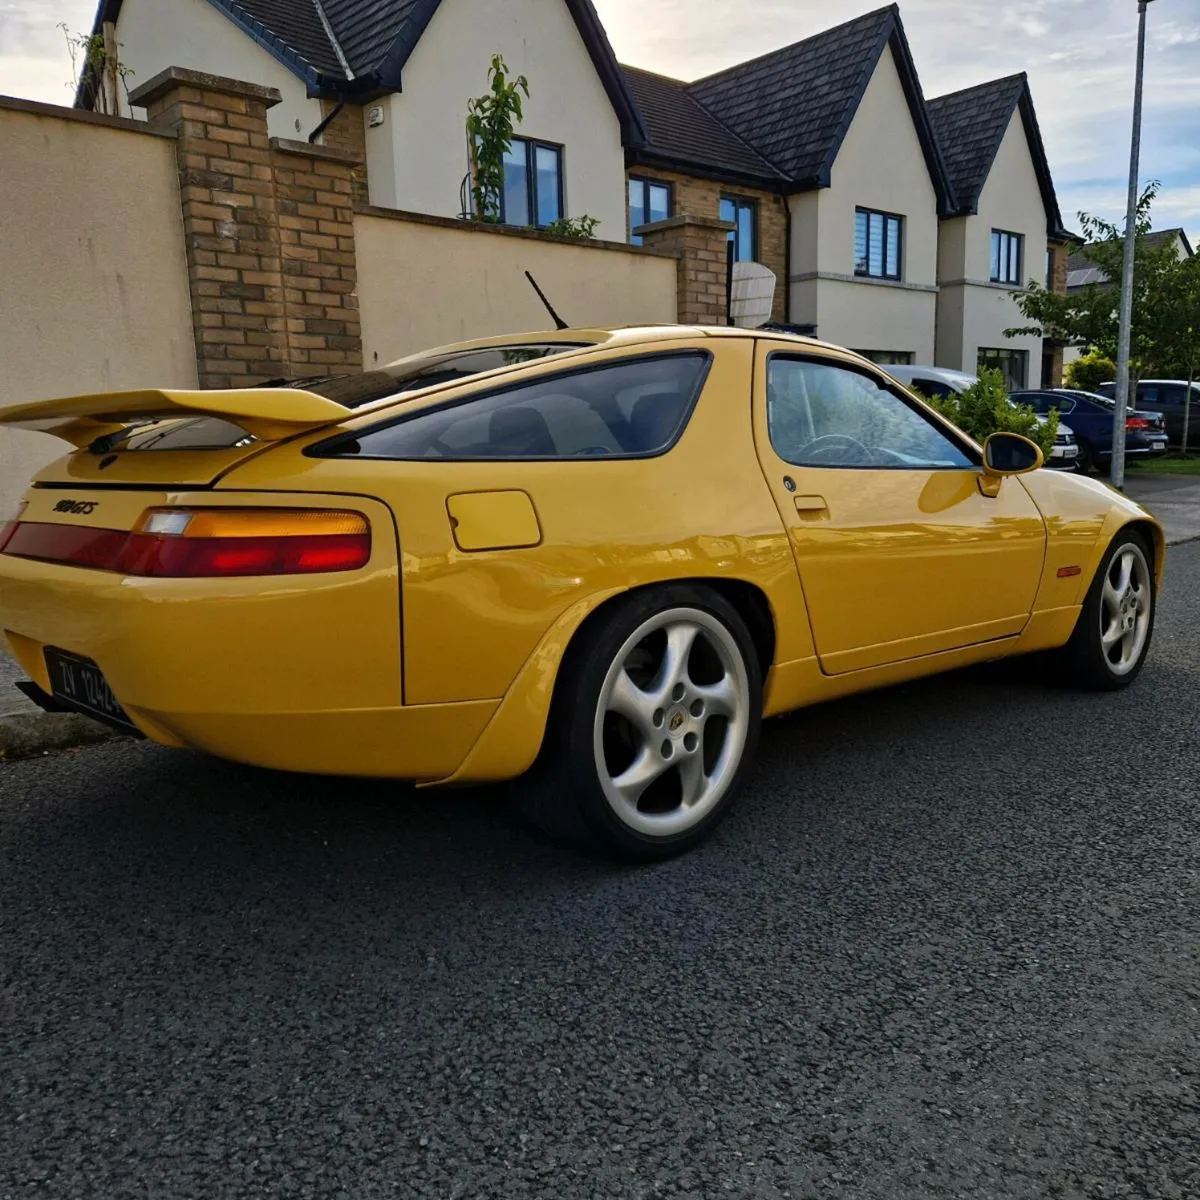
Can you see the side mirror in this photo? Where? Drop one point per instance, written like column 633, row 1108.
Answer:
column 1010, row 454
column 1007, row 454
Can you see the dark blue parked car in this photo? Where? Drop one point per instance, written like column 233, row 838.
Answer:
column 1091, row 418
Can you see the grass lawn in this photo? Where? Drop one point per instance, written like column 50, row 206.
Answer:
column 1167, row 464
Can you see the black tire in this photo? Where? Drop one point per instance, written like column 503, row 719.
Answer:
column 565, row 794
column 1085, row 464
column 1084, row 661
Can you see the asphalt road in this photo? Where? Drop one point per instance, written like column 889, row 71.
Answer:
column 949, row 946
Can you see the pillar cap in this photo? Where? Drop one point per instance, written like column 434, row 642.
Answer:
column 174, row 78
column 686, row 221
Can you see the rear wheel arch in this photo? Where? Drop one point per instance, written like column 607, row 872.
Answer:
column 749, row 600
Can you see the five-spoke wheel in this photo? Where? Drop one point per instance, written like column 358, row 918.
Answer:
column 656, row 714
column 1113, row 633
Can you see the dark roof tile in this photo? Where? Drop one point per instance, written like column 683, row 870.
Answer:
column 681, row 130
column 795, row 104
column 970, row 126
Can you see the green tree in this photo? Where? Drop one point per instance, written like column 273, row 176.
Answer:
column 1091, row 316
column 492, row 120
column 1178, row 333
column 984, row 408
column 1089, row 372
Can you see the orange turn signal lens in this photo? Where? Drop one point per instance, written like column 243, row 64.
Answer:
column 250, row 523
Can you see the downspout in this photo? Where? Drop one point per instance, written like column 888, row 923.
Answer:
column 345, row 65
column 333, row 115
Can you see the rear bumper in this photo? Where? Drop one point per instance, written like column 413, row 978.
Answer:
column 295, row 673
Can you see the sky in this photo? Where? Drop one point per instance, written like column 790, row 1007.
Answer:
column 1079, row 55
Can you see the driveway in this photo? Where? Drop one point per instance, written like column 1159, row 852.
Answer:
column 948, row 946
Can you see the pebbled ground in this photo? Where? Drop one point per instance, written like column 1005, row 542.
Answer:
column 948, row 946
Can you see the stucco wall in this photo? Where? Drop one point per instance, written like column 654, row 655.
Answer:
column 880, row 166
column 156, row 34
column 567, row 105
column 425, row 283
column 1011, row 200
column 93, row 286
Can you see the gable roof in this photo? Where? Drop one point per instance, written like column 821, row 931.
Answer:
column 358, row 48
column 681, row 132
column 970, row 125
column 795, row 105
column 1081, row 270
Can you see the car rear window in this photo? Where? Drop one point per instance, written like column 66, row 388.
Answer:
column 350, row 391
column 633, row 408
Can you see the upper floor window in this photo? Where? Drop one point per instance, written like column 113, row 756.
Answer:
column 878, row 243
column 649, row 201
column 1007, row 251
column 533, row 184
column 744, row 215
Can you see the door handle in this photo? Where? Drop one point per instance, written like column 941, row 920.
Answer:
column 811, row 506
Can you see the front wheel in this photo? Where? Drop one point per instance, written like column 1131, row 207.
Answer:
column 1111, row 640
column 655, row 717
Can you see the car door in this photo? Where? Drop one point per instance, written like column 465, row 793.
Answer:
column 900, row 554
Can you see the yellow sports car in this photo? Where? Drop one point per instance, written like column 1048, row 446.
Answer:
column 595, row 558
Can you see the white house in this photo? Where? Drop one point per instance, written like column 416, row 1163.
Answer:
column 405, row 69
column 996, row 240
column 897, row 227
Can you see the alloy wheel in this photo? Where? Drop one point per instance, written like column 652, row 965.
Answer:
column 1125, row 609
column 671, row 722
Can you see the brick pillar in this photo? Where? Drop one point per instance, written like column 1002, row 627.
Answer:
column 348, row 131
column 315, row 190
column 268, row 232
column 1060, row 252
column 227, row 189
column 700, row 243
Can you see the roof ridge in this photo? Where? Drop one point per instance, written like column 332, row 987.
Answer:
column 1023, row 76
column 766, row 158
column 333, row 41
column 893, row 9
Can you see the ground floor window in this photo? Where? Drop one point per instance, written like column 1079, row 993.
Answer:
column 886, row 357
column 744, row 215
column 649, row 201
column 1012, row 364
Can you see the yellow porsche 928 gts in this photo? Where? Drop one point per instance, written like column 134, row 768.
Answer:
column 595, row 558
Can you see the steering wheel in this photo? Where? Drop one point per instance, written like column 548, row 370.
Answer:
column 830, row 443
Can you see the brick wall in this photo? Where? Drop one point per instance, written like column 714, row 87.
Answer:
column 701, row 245
column 348, row 132
column 268, row 232
column 702, row 198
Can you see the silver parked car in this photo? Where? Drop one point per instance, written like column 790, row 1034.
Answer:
column 942, row 381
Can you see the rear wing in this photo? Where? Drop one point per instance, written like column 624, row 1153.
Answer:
column 270, row 414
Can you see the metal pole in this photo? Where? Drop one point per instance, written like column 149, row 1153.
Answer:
column 1117, row 476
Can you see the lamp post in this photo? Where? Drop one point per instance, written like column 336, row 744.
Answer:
column 1121, row 407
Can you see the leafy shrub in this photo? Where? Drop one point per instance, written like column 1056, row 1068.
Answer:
column 984, row 408
column 574, row 227
column 1090, row 371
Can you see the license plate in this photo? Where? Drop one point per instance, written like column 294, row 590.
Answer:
column 79, row 684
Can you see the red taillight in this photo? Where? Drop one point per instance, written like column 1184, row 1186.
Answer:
column 8, row 528
column 1136, row 423
column 206, row 544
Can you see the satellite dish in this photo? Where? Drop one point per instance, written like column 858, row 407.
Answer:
column 752, row 296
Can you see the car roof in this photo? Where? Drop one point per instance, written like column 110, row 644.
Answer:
column 945, row 374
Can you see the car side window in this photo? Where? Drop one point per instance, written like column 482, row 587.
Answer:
column 933, row 388
column 1063, row 403
column 633, row 408
column 822, row 415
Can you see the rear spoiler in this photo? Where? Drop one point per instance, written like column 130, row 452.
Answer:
column 267, row 413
